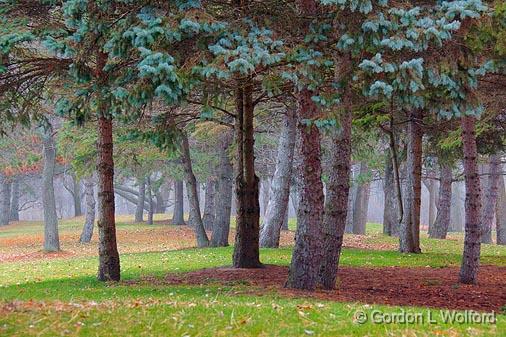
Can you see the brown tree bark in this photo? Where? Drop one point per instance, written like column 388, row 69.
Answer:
column 491, row 196
column 472, row 244
column 109, row 262
column 439, row 229
column 246, row 249
column 409, row 236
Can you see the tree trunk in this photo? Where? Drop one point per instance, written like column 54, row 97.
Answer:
column 14, row 211
column 192, row 192
column 150, row 201
column 178, row 215
column 139, row 210
column 221, row 226
column 109, row 262
column 89, row 199
column 361, row 203
column 351, row 205
column 336, row 201
column 307, row 253
column 456, row 209
column 277, row 207
column 431, row 187
column 409, row 236
column 472, row 244
column 51, row 237
column 76, row 194
column 210, row 201
column 391, row 209
column 501, row 213
column 439, row 229
column 246, row 249
column 5, row 206
column 491, row 197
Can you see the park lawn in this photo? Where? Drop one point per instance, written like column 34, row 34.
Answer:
column 60, row 296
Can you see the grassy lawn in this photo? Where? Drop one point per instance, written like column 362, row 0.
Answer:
column 60, row 296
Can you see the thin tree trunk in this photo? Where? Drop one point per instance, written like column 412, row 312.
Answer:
column 109, row 262
column 178, row 215
column 336, row 201
column 89, row 199
column 139, row 209
column 472, row 244
column 193, row 198
column 361, row 203
column 307, row 253
column 210, row 201
column 221, row 226
column 76, row 194
column 391, row 210
column 14, row 211
column 431, row 187
column 51, row 237
column 5, row 206
column 439, row 229
column 246, row 248
column 150, row 201
column 277, row 207
column 409, row 236
column 501, row 213
column 487, row 218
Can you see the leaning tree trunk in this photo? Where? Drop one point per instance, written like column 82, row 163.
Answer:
column 336, row 201
column 307, row 253
column 439, row 229
column 150, row 201
column 193, row 198
column 178, row 215
column 246, row 249
column 277, row 208
column 487, row 218
column 14, row 211
column 472, row 244
column 51, row 237
column 5, row 206
column 501, row 213
column 139, row 209
column 391, row 209
column 210, row 203
column 361, row 203
column 76, row 195
column 89, row 199
column 109, row 263
column 221, row 226
column 409, row 236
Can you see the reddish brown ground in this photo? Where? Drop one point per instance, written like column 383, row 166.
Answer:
column 425, row 287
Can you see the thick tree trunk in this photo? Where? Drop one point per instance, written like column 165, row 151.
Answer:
column 51, row 237
column 409, row 236
column 277, row 207
column 246, row 249
column 361, row 203
column 501, row 213
column 151, row 208
column 336, row 201
column 472, row 244
column 5, row 206
column 391, row 209
column 439, row 229
column 221, row 226
column 491, row 197
column 89, row 199
column 210, row 203
column 307, row 253
column 76, row 195
column 139, row 209
column 192, row 192
column 109, row 262
column 178, row 215
column 14, row 212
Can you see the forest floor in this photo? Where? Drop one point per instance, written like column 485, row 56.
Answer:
column 172, row 289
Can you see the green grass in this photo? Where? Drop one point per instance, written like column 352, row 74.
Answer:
column 62, row 297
